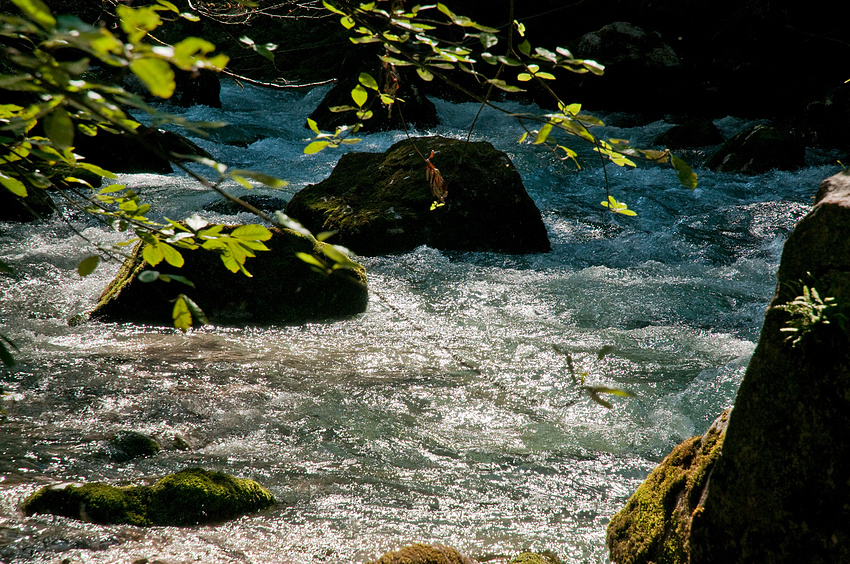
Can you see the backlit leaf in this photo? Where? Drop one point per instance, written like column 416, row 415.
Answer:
column 36, row 11
column 252, row 232
column 315, row 147
column 14, row 185
column 87, row 265
column 152, row 255
column 687, row 177
column 543, row 134
column 368, row 81
column 180, row 314
column 156, row 75
column 424, row 74
column 59, row 128
column 359, row 95
column 172, row 256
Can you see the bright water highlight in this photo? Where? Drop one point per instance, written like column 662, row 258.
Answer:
column 373, row 432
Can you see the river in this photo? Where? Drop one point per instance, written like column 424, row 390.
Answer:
column 372, row 432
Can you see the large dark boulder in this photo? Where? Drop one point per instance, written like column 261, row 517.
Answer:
column 759, row 149
column 413, row 110
column 188, row 497
column 697, row 132
column 282, row 289
column 382, row 203
column 780, row 489
column 146, row 151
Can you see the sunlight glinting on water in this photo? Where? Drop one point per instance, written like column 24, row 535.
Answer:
column 447, row 412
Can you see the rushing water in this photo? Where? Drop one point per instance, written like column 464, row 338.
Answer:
column 373, row 432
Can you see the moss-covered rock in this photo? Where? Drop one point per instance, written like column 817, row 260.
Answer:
column 283, row 288
column 187, row 497
column 654, row 527
column 759, row 149
column 424, row 554
column 535, row 558
column 127, row 445
column 382, row 202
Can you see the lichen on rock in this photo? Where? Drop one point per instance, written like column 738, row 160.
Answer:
column 188, row 497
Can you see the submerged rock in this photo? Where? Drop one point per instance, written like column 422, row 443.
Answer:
column 283, row 288
column 654, row 526
column 757, row 150
column 382, row 203
column 780, row 489
column 424, row 554
column 127, row 445
column 188, row 497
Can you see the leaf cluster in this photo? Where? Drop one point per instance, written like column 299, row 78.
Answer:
column 808, row 312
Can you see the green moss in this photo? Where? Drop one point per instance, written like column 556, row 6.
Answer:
column 423, row 554
column 655, row 524
column 534, row 558
column 127, row 445
column 186, row 498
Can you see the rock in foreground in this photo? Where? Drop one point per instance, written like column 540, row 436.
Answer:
column 188, row 497
column 381, row 202
column 283, row 289
column 424, row 554
column 780, row 489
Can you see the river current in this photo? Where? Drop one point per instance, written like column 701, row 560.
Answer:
column 373, row 432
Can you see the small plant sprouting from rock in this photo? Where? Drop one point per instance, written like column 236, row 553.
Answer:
column 809, row 311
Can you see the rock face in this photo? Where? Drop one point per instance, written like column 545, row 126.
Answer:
column 283, row 289
column 780, row 489
column 655, row 524
column 188, row 497
column 757, row 150
column 381, row 202
column 424, row 554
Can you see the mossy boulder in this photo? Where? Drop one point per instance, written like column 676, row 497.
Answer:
column 654, row 526
column 535, row 558
column 759, row 149
column 781, row 490
column 127, row 445
column 188, row 497
column 424, row 554
column 282, row 288
column 382, row 202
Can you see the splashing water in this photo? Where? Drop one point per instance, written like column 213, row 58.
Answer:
column 373, row 432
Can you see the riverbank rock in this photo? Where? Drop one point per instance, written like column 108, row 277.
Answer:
column 188, row 497
column 655, row 524
column 382, row 203
column 145, row 152
column 416, row 110
column 757, row 150
column 424, row 554
column 697, row 132
column 283, row 288
column 780, row 489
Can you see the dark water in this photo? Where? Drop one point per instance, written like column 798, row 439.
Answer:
column 372, row 432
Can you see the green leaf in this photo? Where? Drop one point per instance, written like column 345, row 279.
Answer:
column 182, row 280
column 180, row 314
column 137, row 22
column 147, row 276
column 687, row 177
column 424, row 74
column 488, row 39
column 315, row 147
column 156, row 75
column 87, row 265
column 347, row 22
column 332, row 8
column 172, row 256
column 368, row 81
column 267, row 179
column 13, row 185
column 168, row 5
column 98, row 171
column 152, row 255
column 502, row 85
column 523, row 137
column 543, row 134
column 524, row 77
column 252, row 232
column 197, row 313
column 59, row 128
column 312, row 125
column 359, row 95
column 524, row 47
column 36, row 11
column 312, row 260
